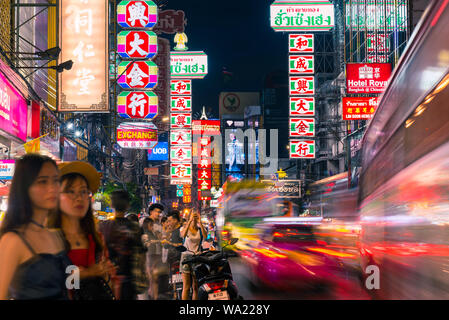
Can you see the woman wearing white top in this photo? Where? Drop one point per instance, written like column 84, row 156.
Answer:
column 193, row 232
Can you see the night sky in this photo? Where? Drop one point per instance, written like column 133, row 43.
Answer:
column 236, row 35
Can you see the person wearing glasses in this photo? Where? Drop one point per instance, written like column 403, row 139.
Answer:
column 86, row 250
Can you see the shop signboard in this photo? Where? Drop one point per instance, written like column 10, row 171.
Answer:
column 302, row 106
column 137, row 104
column 181, row 137
column 159, row 152
column 7, row 169
column 137, row 44
column 188, row 64
column 181, row 120
column 137, row 75
column 181, row 154
column 359, row 108
column 137, row 135
column 302, row 149
column 181, row 87
column 302, row 127
column 301, row 43
column 367, row 77
column 180, row 171
column 302, row 16
column 302, row 86
column 137, row 14
column 284, row 188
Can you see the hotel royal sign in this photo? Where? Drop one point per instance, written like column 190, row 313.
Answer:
column 83, row 35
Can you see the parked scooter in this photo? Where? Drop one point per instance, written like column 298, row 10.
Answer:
column 213, row 273
column 176, row 281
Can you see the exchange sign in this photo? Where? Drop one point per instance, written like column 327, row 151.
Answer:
column 367, row 77
column 137, row 75
column 181, row 104
column 137, row 14
column 301, row 64
column 181, row 87
column 188, row 64
column 300, row 43
column 302, row 86
column 302, row 127
column 137, row 135
column 300, row 149
column 137, row 104
column 181, row 120
column 288, row 16
column 180, row 137
column 137, row 44
column 359, row 108
column 302, row 106
column 181, row 153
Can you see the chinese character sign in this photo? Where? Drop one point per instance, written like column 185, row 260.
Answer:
column 137, row 44
column 137, row 75
column 137, row 14
column 181, row 171
column 181, row 87
column 302, row 106
column 302, row 86
column 180, row 120
column 181, row 154
column 181, row 104
column 137, row 104
column 188, row 64
column 302, row 127
column 300, row 43
column 302, row 16
column 83, row 26
column 302, row 149
column 180, row 137
column 301, row 64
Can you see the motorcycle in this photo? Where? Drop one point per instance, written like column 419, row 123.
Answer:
column 213, row 273
column 176, row 280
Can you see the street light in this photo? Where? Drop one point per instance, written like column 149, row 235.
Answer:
column 49, row 54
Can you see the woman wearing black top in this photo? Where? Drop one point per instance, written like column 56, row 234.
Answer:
column 33, row 260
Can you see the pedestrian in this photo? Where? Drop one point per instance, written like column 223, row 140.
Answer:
column 122, row 238
column 166, row 233
column 155, row 211
column 79, row 180
column 192, row 234
column 33, row 259
column 150, row 240
column 133, row 217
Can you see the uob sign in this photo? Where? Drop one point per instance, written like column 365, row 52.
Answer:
column 159, row 152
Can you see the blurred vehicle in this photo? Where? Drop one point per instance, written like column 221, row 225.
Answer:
column 404, row 182
column 289, row 257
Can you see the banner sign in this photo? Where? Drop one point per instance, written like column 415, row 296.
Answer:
column 301, row 43
column 180, row 137
column 13, row 109
column 302, row 127
column 180, row 171
column 301, row 64
column 159, row 152
column 302, row 106
column 181, row 104
column 137, row 14
column 181, row 87
column 137, row 104
column 137, row 75
column 137, row 135
column 359, row 108
column 83, row 34
column 188, row 64
column 291, row 16
column 181, row 120
column 7, row 169
column 302, row 86
column 367, row 77
column 137, row 44
column 302, row 149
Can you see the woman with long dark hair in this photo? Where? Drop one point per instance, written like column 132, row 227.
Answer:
column 79, row 180
column 33, row 260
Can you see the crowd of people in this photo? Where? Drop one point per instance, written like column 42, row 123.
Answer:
column 52, row 246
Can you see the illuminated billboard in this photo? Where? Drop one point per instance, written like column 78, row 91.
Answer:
column 302, row 106
column 137, row 14
column 302, row 86
column 367, row 77
column 137, row 104
column 137, row 135
column 83, row 38
column 181, row 103
column 301, row 43
column 137, row 44
column 137, row 75
column 302, row 127
column 301, row 64
column 188, row 64
column 181, row 87
column 359, row 108
column 302, row 149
